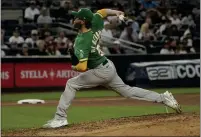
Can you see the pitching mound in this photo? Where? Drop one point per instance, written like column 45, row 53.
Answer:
column 187, row 124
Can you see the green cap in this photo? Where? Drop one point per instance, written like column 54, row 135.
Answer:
column 83, row 13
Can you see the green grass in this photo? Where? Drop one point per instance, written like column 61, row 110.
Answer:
column 89, row 94
column 17, row 117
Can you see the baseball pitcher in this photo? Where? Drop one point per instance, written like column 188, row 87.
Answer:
column 97, row 69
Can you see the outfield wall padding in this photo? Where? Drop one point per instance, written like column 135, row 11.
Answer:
column 46, row 72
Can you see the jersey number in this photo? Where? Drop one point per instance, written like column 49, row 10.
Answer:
column 95, row 41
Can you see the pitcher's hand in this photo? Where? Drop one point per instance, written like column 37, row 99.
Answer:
column 121, row 16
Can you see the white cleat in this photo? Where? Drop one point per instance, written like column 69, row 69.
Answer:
column 56, row 123
column 171, row 102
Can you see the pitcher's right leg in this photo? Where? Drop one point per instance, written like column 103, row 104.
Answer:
column 88, row 79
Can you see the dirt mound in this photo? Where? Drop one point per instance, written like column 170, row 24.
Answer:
column 186, row 124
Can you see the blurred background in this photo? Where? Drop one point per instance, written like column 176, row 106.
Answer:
column 36, row 35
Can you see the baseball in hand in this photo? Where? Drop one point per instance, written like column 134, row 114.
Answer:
column 121, row 17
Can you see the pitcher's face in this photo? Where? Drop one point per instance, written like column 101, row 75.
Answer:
column 78, row 23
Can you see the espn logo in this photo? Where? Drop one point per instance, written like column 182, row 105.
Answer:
column 161, row 73
column 173, row 72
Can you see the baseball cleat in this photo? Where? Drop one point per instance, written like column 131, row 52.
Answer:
column 56, row 123
column 171, row 102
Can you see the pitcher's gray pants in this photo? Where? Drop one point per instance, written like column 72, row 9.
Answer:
column 102, row 75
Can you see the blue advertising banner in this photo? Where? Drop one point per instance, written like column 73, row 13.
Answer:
column 179, row 73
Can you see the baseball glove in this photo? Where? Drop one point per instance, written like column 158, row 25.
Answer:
column 74, row 59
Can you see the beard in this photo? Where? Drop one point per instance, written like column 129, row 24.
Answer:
column 77, row 26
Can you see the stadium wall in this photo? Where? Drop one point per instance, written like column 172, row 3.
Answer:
column 48, row 72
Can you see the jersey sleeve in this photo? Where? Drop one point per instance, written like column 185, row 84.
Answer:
column 97, row 22
column 83, row 49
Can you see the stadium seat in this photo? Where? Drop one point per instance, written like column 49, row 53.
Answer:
column 157, row 43
column 8, row 22
column 21, row 3
column 184, row 27
column 29, row 27
column 54, row 13
column 26, row 33
column 2, row 23
column 6, row 4
column 12, row 27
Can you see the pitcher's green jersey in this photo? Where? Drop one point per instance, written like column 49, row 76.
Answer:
column 86, row 44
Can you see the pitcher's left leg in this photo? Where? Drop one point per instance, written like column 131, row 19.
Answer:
column 142, row 94
column 134, row 92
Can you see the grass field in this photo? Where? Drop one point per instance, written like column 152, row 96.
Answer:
column 17, row 117
column 55, row 95
column 36, row 116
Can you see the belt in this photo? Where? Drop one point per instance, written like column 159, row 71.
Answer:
column 105, row 62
